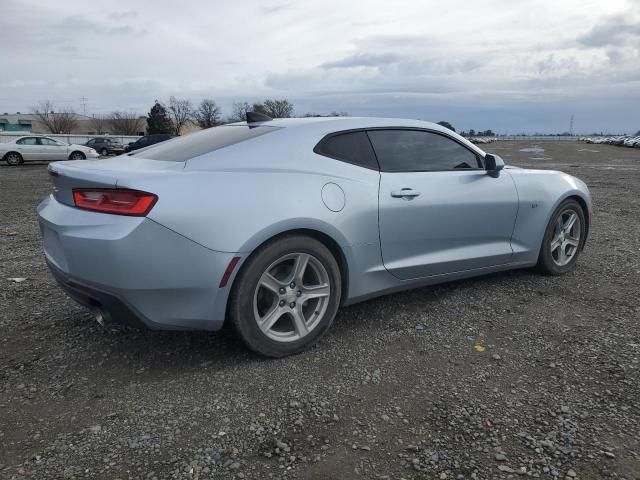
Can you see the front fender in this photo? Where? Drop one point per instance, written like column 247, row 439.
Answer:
column 540, row 192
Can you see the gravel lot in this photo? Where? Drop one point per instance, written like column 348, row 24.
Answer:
column 397, row 389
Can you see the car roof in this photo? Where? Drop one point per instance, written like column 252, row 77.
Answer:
column 318, row 127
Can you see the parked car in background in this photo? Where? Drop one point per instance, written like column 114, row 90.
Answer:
column 148, row 140
column 623, row 140
column 271, row 225
column 105, row 146
column 32, row 147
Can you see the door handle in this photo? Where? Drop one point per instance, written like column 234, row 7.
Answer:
column 406, row 193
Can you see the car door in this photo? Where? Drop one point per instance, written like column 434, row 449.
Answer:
column 439, row 210
column 29, row 148
column 53, row 149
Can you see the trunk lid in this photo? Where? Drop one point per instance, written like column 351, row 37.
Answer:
column 107, row 173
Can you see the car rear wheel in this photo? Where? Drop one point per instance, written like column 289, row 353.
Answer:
column 13, row 159
column 563, row 239
column 77, row 156
column 104, row 152
column 286, row 296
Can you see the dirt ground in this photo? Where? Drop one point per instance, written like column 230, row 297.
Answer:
column 395, row 390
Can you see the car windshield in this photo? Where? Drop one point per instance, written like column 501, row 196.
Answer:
column 183, row 148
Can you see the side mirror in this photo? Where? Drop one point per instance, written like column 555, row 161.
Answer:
column 493, row 164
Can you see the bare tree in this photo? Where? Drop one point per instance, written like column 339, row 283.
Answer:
column 181, row 113
column 100, row 123
column 125, row 123
column 239, row 112
column 275, row 108
column 207, row 114
column 62, row 121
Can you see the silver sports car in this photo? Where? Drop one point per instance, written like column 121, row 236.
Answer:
column 272, row 225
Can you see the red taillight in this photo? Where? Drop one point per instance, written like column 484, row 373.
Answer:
column 116, row 201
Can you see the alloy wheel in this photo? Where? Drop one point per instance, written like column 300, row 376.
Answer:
column 566, row 237
column 291, row 297
column 13, row 159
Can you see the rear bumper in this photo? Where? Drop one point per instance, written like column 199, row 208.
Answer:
column 112, row 308
column 136, row 270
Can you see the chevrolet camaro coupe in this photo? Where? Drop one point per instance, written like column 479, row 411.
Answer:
column 272, row 225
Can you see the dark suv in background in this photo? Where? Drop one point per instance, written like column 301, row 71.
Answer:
column 148, row 140
column 105, row 146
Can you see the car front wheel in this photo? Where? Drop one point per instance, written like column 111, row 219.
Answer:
column 563, row 239
column 286, row 296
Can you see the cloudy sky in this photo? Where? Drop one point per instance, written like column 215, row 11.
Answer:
column 516, row 66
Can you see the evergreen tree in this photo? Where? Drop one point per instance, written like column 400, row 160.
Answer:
column 447, row 125
column 158, row 120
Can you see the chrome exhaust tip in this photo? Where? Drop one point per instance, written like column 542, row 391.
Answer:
column 99, row 315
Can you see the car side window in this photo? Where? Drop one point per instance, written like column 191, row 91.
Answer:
column 28, row 141
column 48, row 141
column 420, row 151
column 91, row 142
column 351, row 147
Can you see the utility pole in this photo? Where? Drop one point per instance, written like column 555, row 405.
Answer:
column 84, row 105
column 571, row 125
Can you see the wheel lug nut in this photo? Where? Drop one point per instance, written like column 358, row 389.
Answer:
column 292, row 285
column 298, row 293
column 282, row 302
column 292, row 304
column 283, row 290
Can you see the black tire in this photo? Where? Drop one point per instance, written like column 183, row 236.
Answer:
column 241, row 305
column 104, row 152
column 14, row 159
column 77, row 156
column 547, row 261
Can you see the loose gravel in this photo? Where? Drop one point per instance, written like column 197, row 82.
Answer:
column 505, row 376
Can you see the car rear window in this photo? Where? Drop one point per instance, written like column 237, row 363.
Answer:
column 181, row 149
column 351, row 147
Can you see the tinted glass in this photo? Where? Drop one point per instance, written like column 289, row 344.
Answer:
column 48, row 141
column 181, row 149
column 353, row 147
column 415, row 150
column 28, row 141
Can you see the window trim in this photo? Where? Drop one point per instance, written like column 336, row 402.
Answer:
column 318, row 148
column 479, row 158
column 319, row 145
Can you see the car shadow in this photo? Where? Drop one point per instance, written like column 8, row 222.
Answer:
column 176, row 350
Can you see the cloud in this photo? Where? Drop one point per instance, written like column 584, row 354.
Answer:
column 363, row 60
column 123, row 15
column 615, row 30
column 273, row 9
column 458, row 60
column 80, row 23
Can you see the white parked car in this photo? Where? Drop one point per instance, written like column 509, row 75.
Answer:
column 33, row 147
